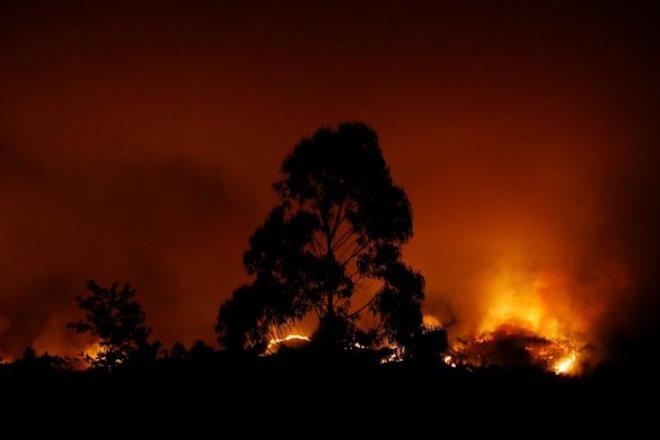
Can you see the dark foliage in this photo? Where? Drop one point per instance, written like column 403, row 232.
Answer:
column 338, row 228
column 117, row 320
column 287, row 390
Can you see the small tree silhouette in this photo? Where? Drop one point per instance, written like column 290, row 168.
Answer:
column 338, row 228
column 117, row 320
column 32, row 364
column 178, row 352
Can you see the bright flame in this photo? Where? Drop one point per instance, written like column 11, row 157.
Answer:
column 431, row 322
column 288, row 338
column 517, row 299
column 565, row 365
column 527, row 321
column 93, row 350
column 86, row 356
column 396, row 356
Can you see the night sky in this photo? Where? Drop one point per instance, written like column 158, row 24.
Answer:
column 139, row 143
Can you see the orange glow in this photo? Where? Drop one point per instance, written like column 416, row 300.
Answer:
column 92, row 350
column 396, row 355
column 565, row 365
column 518, row 299
column 88, row 355
column 543, row 160
column 431, row 322
column 274, row 343
column 527, row 321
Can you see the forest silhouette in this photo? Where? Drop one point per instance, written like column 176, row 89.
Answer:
column 329, row 251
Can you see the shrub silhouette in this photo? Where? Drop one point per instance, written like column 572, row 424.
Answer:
column 117, row 320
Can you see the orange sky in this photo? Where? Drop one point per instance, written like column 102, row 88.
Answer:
column 139, row 143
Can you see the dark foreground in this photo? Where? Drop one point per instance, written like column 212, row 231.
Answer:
column 254, row 393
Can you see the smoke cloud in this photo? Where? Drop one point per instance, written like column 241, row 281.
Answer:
column 139, row 144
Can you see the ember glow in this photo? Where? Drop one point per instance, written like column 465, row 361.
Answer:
column 565, row 365
column 527, row 321
column 514, row 298
column 511, row 346
column 275, row 343
column 430, row 322
column 526, row 139
column 396, row 355
column 92, row 351
column 87, row 356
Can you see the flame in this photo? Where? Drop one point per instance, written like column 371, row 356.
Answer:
column 92, row 351
column 431, row 322
column 274, row 342
column 87, row 356
column 565, row 365
column 397, row 355
column 516, row 299
column 449, row 361
column 527, row 320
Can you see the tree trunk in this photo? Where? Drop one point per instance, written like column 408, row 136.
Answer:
column 330, row 256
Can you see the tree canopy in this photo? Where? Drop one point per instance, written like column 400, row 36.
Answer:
column 117, row 320
column 334, row 237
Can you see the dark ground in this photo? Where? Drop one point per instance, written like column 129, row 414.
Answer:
column 288, row 391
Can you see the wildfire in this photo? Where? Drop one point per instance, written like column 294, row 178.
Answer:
column 526, row 322
column 449, row 361
column 565, row 365
column 431, row 322
column 92, row 351
column 397, row 354
column 276, row 342
column 87, row 356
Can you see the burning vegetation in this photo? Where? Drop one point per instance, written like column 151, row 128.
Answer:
column 527, row 321
column 514, row 346
column 330, row 252
column 291, row 340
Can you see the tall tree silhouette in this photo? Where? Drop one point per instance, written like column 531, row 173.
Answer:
column 117, row 320
column 335, row 235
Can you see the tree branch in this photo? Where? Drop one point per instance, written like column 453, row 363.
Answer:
column 354, row 254
column 318, row 246
column 365, row 305
column 343, row 239
column 338, row 220
column 342, row 302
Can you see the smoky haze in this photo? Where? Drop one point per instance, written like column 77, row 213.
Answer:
column 139, row 144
